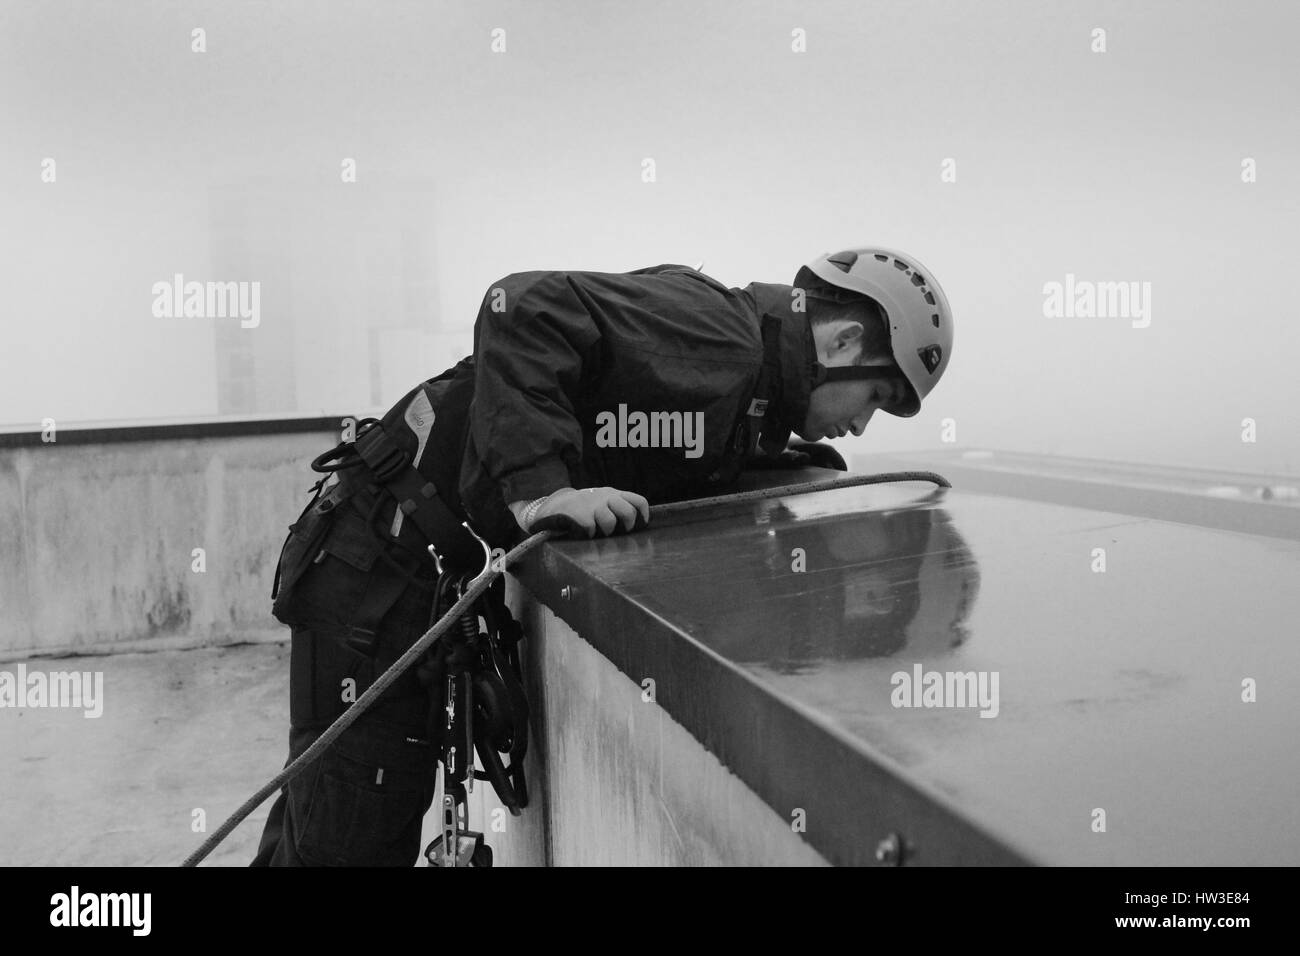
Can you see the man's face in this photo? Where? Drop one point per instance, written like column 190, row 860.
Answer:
column 837, row 408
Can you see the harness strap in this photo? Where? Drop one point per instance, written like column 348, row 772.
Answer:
column 381, row 593
column 416, row 496
column 745, row 436
column 768, row 377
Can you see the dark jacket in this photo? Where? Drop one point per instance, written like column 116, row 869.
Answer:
column 553, row 350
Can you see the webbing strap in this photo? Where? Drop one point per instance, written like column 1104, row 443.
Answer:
column 748, row 431
column 854, row 373
column 381, row 593
column 768, row 376
column 417, row 497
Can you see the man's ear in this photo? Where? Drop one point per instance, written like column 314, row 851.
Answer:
column 848, row 339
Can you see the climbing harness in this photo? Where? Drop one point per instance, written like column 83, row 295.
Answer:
column 485, row 728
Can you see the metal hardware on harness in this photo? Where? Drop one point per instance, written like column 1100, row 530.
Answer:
column 457, row 845
column 485, row 711
column 470, row 850
column 469, row 634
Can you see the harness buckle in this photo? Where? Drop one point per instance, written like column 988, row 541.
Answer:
column 380, row 453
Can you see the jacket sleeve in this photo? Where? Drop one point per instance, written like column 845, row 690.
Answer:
column 534, row 343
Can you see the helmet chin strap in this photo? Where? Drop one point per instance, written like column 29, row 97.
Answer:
column 852, row 373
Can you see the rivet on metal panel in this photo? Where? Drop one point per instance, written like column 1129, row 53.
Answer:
column 889, row 851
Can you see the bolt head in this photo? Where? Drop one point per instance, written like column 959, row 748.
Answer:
column 889, row 850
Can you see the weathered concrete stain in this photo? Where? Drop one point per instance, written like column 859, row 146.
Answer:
column 170, row 612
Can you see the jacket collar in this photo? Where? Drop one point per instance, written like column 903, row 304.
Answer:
column 792, row 383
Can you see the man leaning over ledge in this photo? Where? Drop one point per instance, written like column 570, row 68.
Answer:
column 516, row 438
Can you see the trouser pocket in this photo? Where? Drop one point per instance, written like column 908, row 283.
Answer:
column 326, row 675
column 331, row 667
column 301, row 549
column 346, row 580
column 365, row 801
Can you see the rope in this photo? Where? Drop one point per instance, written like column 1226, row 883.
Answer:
column 807, row 487
column 477, row 586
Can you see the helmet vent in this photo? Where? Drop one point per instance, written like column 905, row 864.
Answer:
column 901, row 265
column 929, row 297
column 935, row 320
column 843, row 260
column 918, row 279
column 881, row 258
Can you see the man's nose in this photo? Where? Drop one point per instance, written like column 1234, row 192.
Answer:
column 859, row 424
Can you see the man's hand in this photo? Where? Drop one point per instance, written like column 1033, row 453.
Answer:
column 800, row 455
column 819, row 455
column 587, row 512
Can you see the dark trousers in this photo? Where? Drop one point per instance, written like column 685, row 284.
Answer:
column 361, row 803
column 357, row 600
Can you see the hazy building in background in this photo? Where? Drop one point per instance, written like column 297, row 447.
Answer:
column 349, row 298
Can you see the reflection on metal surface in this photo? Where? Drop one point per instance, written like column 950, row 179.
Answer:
column 836, row 587
column 667, row 604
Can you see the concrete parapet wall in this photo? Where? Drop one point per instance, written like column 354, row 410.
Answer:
column 616, row 781
column 98, row 548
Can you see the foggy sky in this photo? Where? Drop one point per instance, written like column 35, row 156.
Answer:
column 1115, row 166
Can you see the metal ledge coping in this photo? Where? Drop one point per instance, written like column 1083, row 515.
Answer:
column 1247, row 503
column 1128, row 729
column 860, row 807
